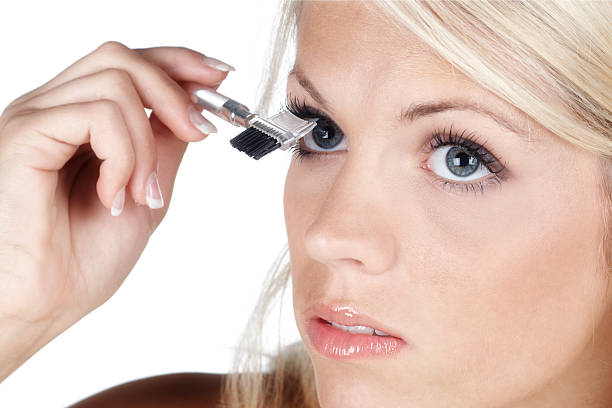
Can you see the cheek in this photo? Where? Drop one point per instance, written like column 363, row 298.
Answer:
column 299, row 202
column 306, row 187
column 504, row 284
column 495, row 291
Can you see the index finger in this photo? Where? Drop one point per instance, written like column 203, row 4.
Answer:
column 157, row 89
column 187, row 66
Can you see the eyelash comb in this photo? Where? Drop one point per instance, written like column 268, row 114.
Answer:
column 262, row 135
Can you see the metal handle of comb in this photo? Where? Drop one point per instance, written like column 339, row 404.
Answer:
column 226, row 108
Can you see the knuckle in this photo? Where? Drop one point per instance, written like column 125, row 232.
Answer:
column 107, row 107
column 15, row 106
column 13, row 122
column 15, row 109
column 112, row 47
column 118, row 78
column 8, row 112
column 14, row 128
column 9, row 126
column 19, row 100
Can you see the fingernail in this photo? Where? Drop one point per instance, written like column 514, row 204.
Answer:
column 118, row 202
column 217, row 64
column 154, row 196
column 199, row 121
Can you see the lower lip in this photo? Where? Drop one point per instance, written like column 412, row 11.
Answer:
column 341, row 345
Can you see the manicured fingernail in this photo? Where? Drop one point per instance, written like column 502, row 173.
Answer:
column 154, row 196
column 118, row 202
column 217, row 64
column 199, row 121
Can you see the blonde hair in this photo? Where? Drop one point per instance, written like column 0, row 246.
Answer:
column 526, row 53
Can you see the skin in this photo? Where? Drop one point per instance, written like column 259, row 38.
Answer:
column 497, row 294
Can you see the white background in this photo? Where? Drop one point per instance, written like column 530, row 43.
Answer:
column 184, row 305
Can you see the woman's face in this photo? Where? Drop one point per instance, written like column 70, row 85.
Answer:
column 492, row 287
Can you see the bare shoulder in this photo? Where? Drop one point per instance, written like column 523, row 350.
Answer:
column 170, row 390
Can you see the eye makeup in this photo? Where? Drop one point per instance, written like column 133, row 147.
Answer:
column 464, row 150
column 324, row 125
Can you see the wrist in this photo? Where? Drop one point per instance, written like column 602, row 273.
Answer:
column 20, row 340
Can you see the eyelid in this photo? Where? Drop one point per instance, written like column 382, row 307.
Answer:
column 291, row 103
column 304, row 110
column 320, row 114
column 493, row 162
column 471, row 141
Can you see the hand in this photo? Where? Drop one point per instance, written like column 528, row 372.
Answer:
column 67, row 149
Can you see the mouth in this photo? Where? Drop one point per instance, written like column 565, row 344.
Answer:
column 340, row 332
column 357, row 329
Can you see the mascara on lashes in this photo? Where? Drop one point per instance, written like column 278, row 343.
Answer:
column 438, row 139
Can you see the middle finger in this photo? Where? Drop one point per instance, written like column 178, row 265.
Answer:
column 115, row 85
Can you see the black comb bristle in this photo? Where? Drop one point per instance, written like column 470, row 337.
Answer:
column 255, row 143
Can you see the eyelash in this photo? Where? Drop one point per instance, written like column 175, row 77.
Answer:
column 438, row 139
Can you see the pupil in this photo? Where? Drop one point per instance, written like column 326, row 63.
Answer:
column 460, row 162
column 325, row 136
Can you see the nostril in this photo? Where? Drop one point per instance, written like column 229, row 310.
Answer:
column 351, row 263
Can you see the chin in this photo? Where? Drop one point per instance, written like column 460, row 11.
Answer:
column 342, row 386
column 339, row 394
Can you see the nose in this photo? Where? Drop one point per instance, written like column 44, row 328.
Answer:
column 352, row 229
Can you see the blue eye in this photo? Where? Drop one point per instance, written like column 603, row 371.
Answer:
column 324, row 138
column 458, row 161
column 461, row 158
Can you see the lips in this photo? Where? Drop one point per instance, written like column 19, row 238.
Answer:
column 346, row 315
column 353, row 342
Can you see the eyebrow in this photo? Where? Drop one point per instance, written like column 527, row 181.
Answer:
column 422, row 109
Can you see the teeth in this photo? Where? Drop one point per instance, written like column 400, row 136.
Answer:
column 359, row 329
column 354, row 329
column 381, row 333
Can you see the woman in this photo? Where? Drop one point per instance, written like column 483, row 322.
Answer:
column 453, row 205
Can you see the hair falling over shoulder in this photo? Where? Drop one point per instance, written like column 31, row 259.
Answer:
column 289, row 380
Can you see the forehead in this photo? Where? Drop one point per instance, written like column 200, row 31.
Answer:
column 359, row 59
column 358, row 38
column 352, row 48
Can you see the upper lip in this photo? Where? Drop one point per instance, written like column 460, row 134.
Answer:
column 346, row 314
